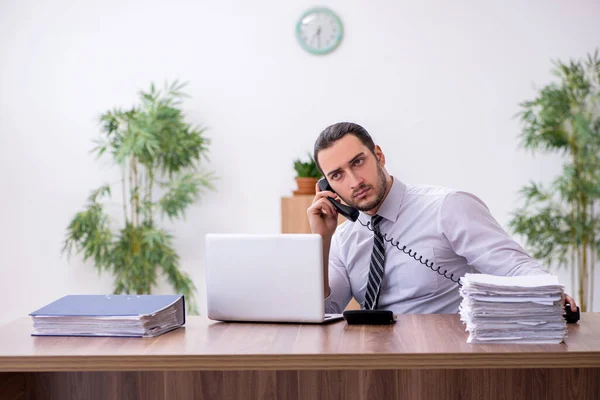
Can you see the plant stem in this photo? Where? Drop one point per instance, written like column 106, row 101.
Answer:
column 584, row 279
column 150, row 186
column 573, row 248
column 581, row 217
column 124, row 189
column 592, row 254
column 146, row 196
column 132, row 191
column 580, row 276
column 136, row 192
column 584, row 249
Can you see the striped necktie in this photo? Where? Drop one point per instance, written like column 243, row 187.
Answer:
column 377, row 266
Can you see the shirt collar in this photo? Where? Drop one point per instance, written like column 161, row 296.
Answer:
column 390, row 208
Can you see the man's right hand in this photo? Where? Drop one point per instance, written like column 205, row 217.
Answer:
column 322, row 215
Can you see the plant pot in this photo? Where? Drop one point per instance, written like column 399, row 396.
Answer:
column 306, row 186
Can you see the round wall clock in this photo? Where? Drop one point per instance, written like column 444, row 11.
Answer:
column 319, row 31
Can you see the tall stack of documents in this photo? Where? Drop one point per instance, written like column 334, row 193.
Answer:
column 512, row 309
column 110, row 315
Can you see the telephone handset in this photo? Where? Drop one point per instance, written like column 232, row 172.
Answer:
column 350, row 213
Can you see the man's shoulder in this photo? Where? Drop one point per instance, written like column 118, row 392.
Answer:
column 439, row 195
column 429, row 192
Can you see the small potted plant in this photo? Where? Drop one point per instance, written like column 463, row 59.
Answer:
column 307, row 175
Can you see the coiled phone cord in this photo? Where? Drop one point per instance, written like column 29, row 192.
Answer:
column 413, row 254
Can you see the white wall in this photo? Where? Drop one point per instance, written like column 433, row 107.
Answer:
column 435, row 82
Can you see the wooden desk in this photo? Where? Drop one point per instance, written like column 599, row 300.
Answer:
column 420, row 357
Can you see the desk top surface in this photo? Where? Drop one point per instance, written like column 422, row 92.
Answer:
column 415, row 341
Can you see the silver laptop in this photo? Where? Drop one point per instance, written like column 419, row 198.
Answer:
column 265, row 278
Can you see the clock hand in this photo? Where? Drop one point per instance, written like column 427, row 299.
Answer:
column 319, row 37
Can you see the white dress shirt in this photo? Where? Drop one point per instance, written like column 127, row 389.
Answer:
column 450, row 228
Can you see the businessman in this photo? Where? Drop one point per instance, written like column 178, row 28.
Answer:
column 452, row 229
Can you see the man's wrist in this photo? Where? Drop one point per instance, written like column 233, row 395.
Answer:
column 326, row 238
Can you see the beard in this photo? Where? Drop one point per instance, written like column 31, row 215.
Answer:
column 379, row 190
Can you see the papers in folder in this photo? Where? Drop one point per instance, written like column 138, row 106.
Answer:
column 512, row 309
column 110, row 315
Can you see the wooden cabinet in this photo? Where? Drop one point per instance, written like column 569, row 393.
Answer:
column 293, row 214
column 295, row 220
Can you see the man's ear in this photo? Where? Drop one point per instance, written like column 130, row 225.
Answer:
column 379, row 155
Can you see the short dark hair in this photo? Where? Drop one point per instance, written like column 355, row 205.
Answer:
column 335, row 132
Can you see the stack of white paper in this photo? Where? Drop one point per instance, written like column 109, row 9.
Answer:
column 512, row 309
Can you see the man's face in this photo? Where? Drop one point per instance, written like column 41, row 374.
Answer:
column 355, row 173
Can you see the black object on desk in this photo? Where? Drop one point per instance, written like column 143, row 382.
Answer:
column 369, row 317
column 571, row 316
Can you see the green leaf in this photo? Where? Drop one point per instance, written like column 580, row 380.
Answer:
column 89, row 233
column 99, row 193
column 183, row 192
column 307, row 169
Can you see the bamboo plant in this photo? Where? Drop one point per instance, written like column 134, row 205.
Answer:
column 560, row 221
column 158, row 154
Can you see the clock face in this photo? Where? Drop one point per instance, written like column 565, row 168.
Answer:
column 319, row 31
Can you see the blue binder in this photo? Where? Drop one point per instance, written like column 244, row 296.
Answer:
column 73, row 308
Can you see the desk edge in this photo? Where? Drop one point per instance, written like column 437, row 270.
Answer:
column 299, row 362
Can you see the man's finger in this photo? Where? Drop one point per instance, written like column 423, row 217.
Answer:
column 324, row 194
column 321, row 206
column 570, row 300
column 327, row 206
